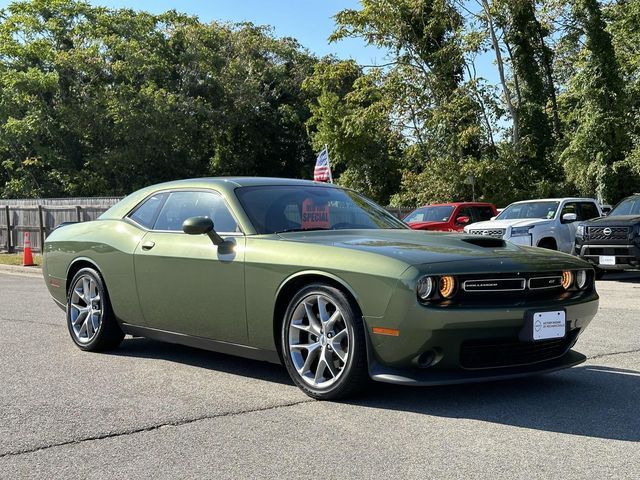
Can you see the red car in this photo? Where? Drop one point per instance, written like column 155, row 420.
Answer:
column 450, row 217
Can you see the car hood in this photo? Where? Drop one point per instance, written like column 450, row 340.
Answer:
column 415, row 247
column 614, row 221
column 516, row 222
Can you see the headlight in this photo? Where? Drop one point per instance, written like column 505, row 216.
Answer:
column 447, row 286
column 425, row 288
column 581, row 279
column 580, row 231
column 520, row 231
column 567, row 279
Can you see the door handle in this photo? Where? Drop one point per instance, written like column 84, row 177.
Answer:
column 148, row 245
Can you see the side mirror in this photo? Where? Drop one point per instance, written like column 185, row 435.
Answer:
column 201, row 226
column 569, row 217
column 462, row 220
column 197, row 225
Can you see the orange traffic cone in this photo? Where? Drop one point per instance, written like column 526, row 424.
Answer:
column 27, row 257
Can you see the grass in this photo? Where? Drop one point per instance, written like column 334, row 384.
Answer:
column 16, row 259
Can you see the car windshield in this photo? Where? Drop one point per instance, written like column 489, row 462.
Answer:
column 278, row 208
column 430, row 214
column 629, row 206
column 529, row 210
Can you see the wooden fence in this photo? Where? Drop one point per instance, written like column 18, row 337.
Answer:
column 40, row 216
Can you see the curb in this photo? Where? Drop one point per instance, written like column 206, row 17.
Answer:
column 20, row 270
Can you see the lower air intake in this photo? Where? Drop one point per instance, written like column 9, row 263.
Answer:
column 510, row 352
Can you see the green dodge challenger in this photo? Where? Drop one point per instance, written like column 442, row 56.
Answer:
column 319, row 278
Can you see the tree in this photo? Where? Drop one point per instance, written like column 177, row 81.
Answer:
column 351, row 115
column 595, row 155
column 531, row 69
column 100, row 101
column 433, row 107
column 623, row 18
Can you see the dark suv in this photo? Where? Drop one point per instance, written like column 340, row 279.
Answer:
column 612, row 242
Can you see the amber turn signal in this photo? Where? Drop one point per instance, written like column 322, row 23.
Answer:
column 447, row 286
column 392, row 332
column 567, row 279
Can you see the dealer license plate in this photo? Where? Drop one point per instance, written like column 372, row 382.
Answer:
column 549, row 325
column 607, row 260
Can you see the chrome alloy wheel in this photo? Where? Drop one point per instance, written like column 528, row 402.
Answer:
column 319, row 341
column 85, row 308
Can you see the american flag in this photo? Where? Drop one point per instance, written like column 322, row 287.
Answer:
column 322, row 172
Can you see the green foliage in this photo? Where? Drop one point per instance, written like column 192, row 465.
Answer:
column 98, row 101
column 595, row 154
column 351, row 115
column 431, row 103
column 529, row 51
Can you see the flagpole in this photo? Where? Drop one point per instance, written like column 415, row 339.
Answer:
column 328, row 164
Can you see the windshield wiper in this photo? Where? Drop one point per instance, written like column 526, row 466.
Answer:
column 303, row 229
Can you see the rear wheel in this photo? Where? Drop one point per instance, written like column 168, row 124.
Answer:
column 323, row 343
column 90, row 320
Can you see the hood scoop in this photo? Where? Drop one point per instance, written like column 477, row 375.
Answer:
column 486, row 242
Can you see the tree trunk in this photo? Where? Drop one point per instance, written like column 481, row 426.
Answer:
column 505, row 87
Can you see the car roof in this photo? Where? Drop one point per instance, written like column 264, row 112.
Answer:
column 238, row 182
column 224, row 185
column 456, row 204
column 570, row 199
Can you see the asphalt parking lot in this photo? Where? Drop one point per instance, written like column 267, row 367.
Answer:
column 165, row 411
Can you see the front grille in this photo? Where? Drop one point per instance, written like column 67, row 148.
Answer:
column 494, row 232
column 596, row 251
column 543, row 283
column 494, row 285
column 608, row 233
column 514, row 282
column 511, row 289
column 511, row 352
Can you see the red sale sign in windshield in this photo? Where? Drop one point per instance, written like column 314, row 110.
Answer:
column 315, row 215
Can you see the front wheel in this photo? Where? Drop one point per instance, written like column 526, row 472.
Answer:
column 91, row 321
column 323, row 343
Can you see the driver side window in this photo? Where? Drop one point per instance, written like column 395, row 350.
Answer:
column 464, row 212
column 569, row 208
column 182, row 205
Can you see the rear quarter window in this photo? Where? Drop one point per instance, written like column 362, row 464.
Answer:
column 147, row 212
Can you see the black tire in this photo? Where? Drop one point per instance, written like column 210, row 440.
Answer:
column 354, row 374
column 600, row 273
column 108, row 335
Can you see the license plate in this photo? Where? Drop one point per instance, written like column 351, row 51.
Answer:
column 549, row 325
column 607, row 260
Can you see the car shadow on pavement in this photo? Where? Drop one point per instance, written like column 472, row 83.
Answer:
column 145, row 348
column 624, row 277
column 593, row 401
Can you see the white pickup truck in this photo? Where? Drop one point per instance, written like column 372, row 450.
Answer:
column 548, row 223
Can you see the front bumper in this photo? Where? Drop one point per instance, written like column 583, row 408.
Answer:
column 442, row 336
column 415, row 377
column 627, row 255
